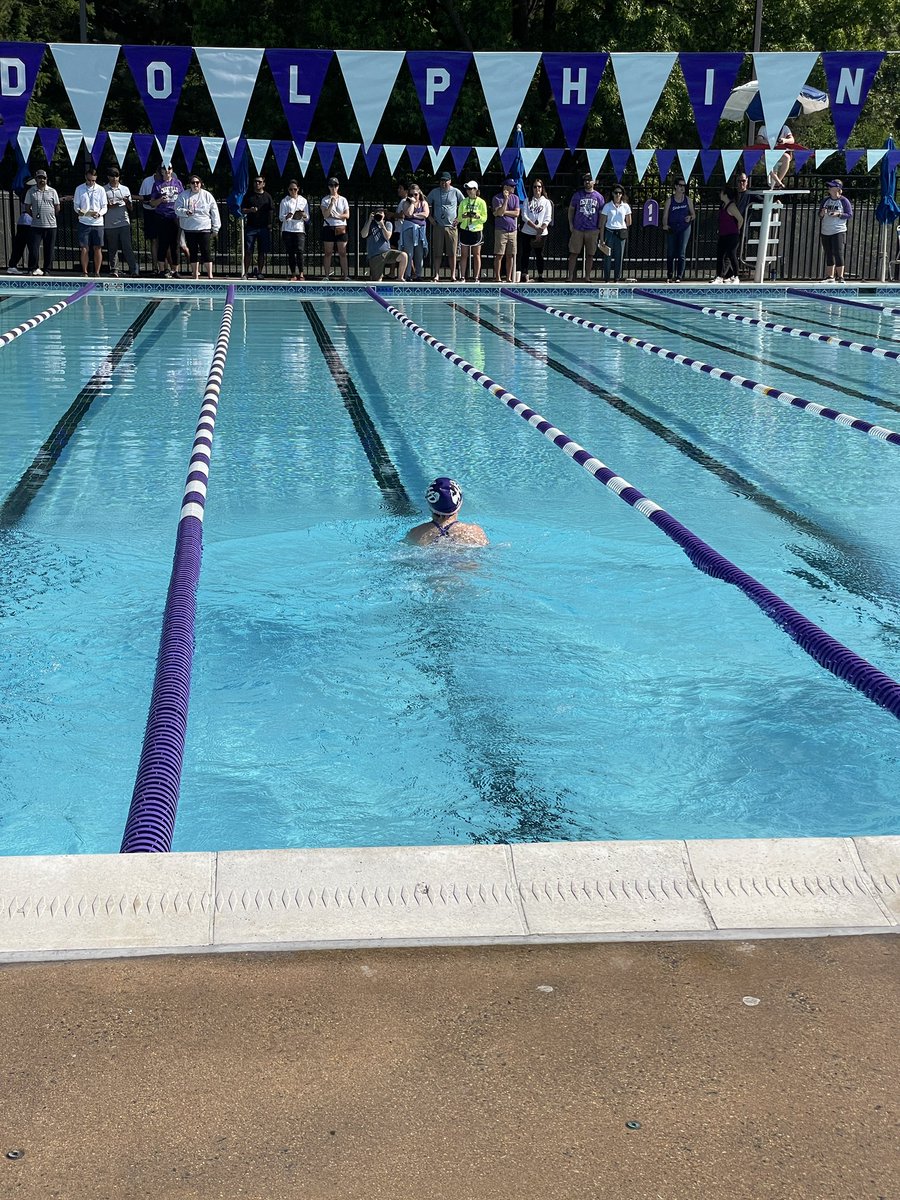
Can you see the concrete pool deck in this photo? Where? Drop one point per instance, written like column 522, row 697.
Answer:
column 481, row 1073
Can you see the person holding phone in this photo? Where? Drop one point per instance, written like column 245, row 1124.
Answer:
column 90, row 207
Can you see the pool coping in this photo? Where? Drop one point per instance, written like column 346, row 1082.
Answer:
column 89, row 906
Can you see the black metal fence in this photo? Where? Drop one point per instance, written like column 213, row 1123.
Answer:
column 799, row 255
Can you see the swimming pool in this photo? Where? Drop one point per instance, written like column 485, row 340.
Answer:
column 579, row 679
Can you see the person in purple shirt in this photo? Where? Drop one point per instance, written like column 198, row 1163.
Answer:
column 584, row 226
column 163, row 195
column 505, row 208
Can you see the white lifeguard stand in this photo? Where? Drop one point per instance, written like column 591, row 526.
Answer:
column 764, row 227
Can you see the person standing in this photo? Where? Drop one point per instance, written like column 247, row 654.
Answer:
column 21, row 247
column 257, row 207
column 414, row 239
column 615, row 221
column 293, row 213
column 537, row 215
column 198, row 216
column 43, row 204
column 835, row 212
column 149, row 213
column 730, row 224
column 117, row 225
column 505, row 208
column 677, row 222
column 472, row 217
column 584, row 226
column 163, row 196
column 90, row 208
column 444, row 202
column 336, row 214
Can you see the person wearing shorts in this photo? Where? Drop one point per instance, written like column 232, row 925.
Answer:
column 377, row 234
column 584, row 226
column 505, row 208
column 335, row 213
column 90, row 205
column 472, row 216
column 257, row 207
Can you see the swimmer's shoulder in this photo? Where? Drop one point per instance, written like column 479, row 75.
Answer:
column 461, row 535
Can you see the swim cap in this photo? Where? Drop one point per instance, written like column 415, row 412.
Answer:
column 444, row 495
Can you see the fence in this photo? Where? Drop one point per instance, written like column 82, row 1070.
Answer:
column 800, row 256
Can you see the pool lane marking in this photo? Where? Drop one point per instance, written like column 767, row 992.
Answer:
column 154, row 800
column 33, row 322
column 879, row 432
column 36, row 475
column 824, row 649
column 386, row 474
column 794, row 331
column 728, row 475
column 835, row 297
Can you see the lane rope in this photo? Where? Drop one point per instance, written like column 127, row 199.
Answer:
column 835, row 297
column 824, row 649
column 725, row 314
column 33, row 322
column 879, row 432
column 154, row 801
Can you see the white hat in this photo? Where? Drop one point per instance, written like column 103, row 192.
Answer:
column 472, row 183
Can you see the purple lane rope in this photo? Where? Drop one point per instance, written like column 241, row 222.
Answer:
column 836, row 297
column 33, row 322
column 154, row 801
column 879, row 432
column 724, row 314
column 826, row 650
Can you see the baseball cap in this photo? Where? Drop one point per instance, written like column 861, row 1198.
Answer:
column 444, row 496
column 40, row 174
column 586, row 176
column 445, row 176
column 472, row 183
column 835, row 183
column 509, row 181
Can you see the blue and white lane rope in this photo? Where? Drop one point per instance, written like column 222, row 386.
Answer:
column 880, row 432
column 819, row 645
column 724, row 314
column 835, row 297
column 33, row 322
column 154, row 801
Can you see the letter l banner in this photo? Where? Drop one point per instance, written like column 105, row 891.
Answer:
column 299, row 76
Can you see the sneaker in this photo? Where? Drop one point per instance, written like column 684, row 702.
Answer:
column 670, row 281
column 435, row 280
column 114, row 274
column 828, row 279
column 12, row 271
column 732, row 279
column 243, row 275
column 301, row 279
column 37, row 271
column 841, row 280
column 718, row 279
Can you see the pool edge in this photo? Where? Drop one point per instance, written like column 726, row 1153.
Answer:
column 86, row 906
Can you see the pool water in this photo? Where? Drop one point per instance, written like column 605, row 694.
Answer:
column 577, row 679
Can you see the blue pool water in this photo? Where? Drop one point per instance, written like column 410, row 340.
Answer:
column 577, row 679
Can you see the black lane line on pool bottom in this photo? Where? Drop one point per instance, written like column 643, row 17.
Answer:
column 762, row 359
column 16, row 503
column 386, row 474
column 850, row 573
column 844, row 327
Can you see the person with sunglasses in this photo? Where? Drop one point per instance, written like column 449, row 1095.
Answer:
column 336, row 216
column 677, row 223
column 537, row 214
column 198, row 214
column 413, row 237
column 117, row 225
column 163, row 196
column 472, row 217
column 257, row 207
column 615, row 221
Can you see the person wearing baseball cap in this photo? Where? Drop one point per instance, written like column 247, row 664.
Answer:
column 472, row 217
column 505, row 208
column 584, row 226
column 835, row 212
column 444, row 497
column 443, row 203
column 42, row 201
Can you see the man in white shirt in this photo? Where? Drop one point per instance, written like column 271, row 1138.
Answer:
column 90, row 206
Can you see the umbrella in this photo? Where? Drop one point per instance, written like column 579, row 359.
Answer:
column 518, row 167
column 888, row 210
column 744, row 102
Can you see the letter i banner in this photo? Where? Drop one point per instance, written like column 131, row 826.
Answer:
column 848, row 76
column 158, row 73
column 299, row 76
column 710, row 79
column 574, row 80
column 438, row 78
column 19, row 65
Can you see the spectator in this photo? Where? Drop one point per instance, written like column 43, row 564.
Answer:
column 835, row 212
column 505, row 208
column 198, row 215
column 615, row 221
column 537, row 216
column 444, row 202
column 584, row 226
column 414, row 239
column 117, row 225
column 21, row 247
column 163, row 196
column 293, row 213
column 377, row 233
column 677, row 221
column 150, row 220
column 398, row 218
column 730, row 224
column 257, row 207
column 336, row 213
column 779, row 172
column 90, row 208
column 43, row 204
column 472, row 217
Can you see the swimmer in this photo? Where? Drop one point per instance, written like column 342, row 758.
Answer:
column 445, row 499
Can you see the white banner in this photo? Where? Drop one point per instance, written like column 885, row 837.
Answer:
column 212, row 148
column 530, row 155
column 822, row 155
column 169, row 148
column 259, row 148
column 596, row 159
column 230, row 76
column 304, row 155
column 370, row 76
column 640, row 79
column 120, row 143
column 393, row 152
column 437, row 154
column 642, row 160
column 874, row 157
column 730, row 160
column 86, row 71
column 72, row 139
column 349, row 152
column 505, row 80
column 687, row 160
column 781, row 76
column 485, row 156
column 25, row 138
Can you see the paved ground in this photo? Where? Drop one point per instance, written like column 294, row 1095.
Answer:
column 467, row 1074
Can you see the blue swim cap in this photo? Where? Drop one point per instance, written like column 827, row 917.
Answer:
column 444, row 495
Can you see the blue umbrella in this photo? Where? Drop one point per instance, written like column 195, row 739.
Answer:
column 744, row 101
column 240, row 179
column 518, row 167
column 23, row 171
column 888, row 210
